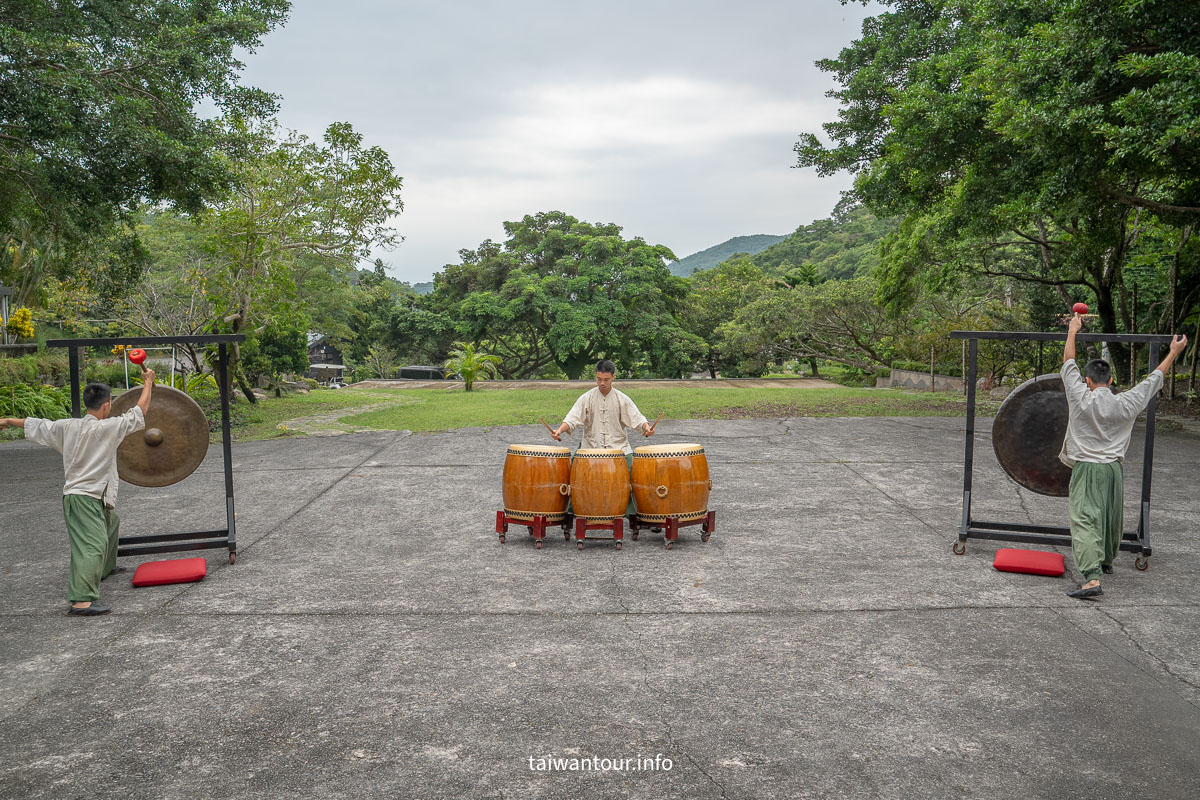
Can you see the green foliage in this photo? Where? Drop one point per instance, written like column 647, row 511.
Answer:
column 1041, row 141
column 470, row 365
column 277, row 347
column 565, row 292
column 715, row 296
column 48, row 366
column 738, row 245
column 842, row 247
column 109, row 372
column 100, row 112
column 46, row 402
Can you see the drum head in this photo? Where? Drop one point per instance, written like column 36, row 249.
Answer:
column 599, row 452
column 1028, row 434
column 538, row 450
column 657, row 450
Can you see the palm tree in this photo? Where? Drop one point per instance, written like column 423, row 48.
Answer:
column 469, row 365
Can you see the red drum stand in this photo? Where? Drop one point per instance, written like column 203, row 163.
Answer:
column 617, row 526
column 537, row 529
column 671, row 525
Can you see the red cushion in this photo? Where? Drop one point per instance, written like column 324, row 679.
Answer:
column 1035, row 562
column 179, row 570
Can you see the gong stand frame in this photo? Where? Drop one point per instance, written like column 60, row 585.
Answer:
column 537, row 526
column 172, row 542
column 1131, row 541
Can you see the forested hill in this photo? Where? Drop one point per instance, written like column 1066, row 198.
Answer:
column 706, row 259
column 839, row 248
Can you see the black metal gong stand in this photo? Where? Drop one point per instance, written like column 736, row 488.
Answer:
column 1135, row 541
column 172, row 542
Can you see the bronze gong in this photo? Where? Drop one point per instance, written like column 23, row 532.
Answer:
column 170, row 447
column 1028, row 434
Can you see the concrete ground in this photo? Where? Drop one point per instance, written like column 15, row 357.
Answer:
column 374, row 639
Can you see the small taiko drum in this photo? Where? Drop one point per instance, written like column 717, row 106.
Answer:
column 599, row 484
column 670, row 480
column 536, row 482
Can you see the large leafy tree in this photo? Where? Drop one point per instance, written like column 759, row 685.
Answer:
column 715, row 296
column 99, row 113
column 1034, row 139
column 564, row 292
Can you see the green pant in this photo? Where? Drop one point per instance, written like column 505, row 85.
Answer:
column 1097, row 500
column 632, row 507
column 93, row 530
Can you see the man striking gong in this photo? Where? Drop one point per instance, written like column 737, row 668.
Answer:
column 89, row 450
column 605, row 413
column 1098, row 432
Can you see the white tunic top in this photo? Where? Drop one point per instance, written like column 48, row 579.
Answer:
column 604, row 419
column 89, row 449
column 1101, row 422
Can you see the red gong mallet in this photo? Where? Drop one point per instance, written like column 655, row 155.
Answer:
column 138, row 357
column 1080, row 308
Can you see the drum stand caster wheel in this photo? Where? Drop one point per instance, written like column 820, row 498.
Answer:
column 635, row 536
column 1142, row 563
column 670, row 545
column 538, row 544
column 959, row 548
column 233, row 559
column 618, row 545
column 502, row 538
column 579, row 545
column 705, row 536
column 566, row 536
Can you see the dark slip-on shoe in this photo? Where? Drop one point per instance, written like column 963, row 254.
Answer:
column 1086, row 594
column 94, row 610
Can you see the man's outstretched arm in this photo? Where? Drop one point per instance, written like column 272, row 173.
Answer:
column 1072, row 329
column 1176, row 347
column 12, row 422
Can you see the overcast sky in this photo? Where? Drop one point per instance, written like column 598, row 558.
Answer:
column 675, row 120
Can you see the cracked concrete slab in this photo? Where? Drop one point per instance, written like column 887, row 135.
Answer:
column 376, row 640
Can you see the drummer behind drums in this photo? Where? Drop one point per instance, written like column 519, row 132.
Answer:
column 1098, row 431
column 89, row 448
column 605, row 413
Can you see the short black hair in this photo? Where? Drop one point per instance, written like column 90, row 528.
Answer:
column 604, row 365
column 96, row 395
column 1099, row 371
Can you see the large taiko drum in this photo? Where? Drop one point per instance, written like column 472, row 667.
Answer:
column 536, row 482
column 599, row 484
column 670, row 480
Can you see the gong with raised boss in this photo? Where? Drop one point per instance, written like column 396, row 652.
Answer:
column 170, row 447
column 1028, row 435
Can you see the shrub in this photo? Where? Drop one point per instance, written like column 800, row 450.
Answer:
column 49, row 366
column 46, row 402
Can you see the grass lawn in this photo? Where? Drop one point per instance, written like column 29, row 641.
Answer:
column 440, row 409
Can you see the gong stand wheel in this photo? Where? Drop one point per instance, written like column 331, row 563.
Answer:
column 1142, row 563
column 959, row 548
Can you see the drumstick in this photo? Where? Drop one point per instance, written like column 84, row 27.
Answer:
column 655, row 425
column 552, row 433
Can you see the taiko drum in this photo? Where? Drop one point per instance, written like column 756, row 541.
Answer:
column 599, row 484
column 536, row 481
column 670, row 480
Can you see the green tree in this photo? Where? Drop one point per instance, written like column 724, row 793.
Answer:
column 99, row 112
column 1031, row 139
column 470, row 365
column 296, row 199
column 564, row 292
column 714, row 298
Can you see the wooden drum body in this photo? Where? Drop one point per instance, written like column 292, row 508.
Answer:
column 536, row 482
column 670, row 480
column 599, row 484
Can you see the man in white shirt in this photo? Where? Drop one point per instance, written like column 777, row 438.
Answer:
column 89, row 449
column 605, row 413
column 1098, row 433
